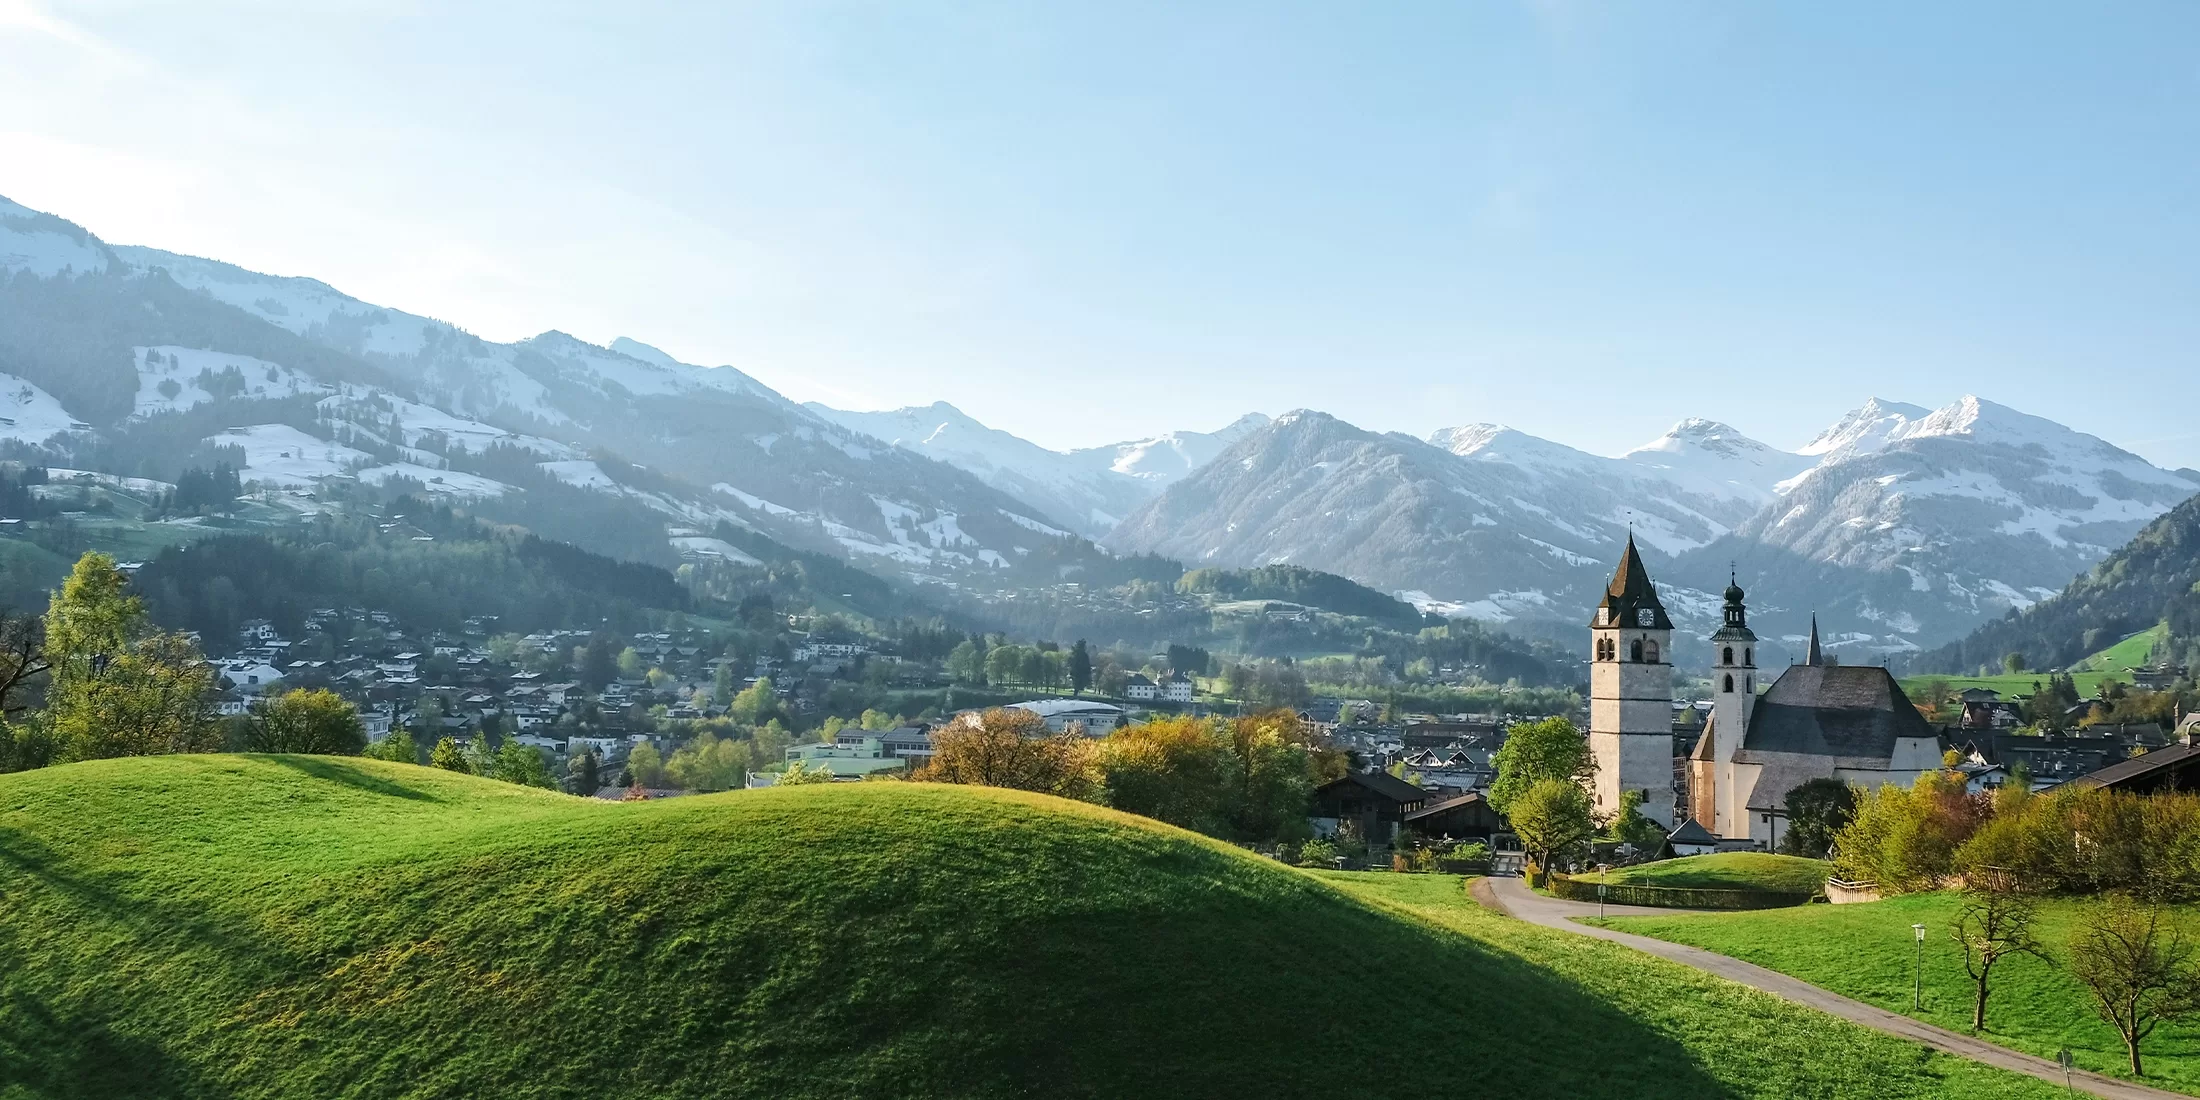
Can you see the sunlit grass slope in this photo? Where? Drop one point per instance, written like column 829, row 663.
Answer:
column 284, row 926
column 1869, row 951
column 1729, row 871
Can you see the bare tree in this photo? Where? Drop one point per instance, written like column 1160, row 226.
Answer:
column 22, row 658
column 2139, row 968
column 1994, row 923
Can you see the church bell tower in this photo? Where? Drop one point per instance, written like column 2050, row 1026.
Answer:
column 1733, row 699
column 1631, row 693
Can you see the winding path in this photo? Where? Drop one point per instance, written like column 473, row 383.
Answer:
column 1511, row 896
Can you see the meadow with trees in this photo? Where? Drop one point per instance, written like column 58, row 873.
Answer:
column 2063, row 919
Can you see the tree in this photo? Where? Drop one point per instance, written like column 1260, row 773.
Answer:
column 22, row 658
column 707, row 763
column 1170, row 770
column 755, row 705
column 1551, row 818
column 1080, row 668
column 1995, row 922
column 1006, row 747
column 2013, row 663
column 722, row 683
column 2138, row 967
column 1549, row 748
column 448, row 757
column 1631, row 827
column 797, row 775
column 155, row 697
column 586, row 772
column 1817, row 811
column 645, row 766
column 521, row 764
column 318, row 721
column 398, row 748
column 599, row 661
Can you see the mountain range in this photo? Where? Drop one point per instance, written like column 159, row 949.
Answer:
column 1900, row 526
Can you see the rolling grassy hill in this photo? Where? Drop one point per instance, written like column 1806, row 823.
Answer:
column 2088, row 674
column 1866, row 952
column 305, row 926
column 1730, row 871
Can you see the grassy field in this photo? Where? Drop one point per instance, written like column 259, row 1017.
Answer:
column 299, row 926
column 2089, row 674
column 1867, row 951
column 1730, row 871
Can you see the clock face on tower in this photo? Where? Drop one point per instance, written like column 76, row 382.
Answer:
column 1646, row 617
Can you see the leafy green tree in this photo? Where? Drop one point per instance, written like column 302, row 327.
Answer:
column 1817, row 811
column 1171, row 769
column 155, row 697
column 1551, row 817
column 449, row 757
column 1630, row 826
column 398, row 748
column 707, row 763
column 797, row 775
column 1548, row 748
column 723, row 684
column 318, row 721
column 645, row 766
column 2012, row 663
column 586, row 771
column 878, row 720
column 521, row 764
column 966, row 663
column 756, row 704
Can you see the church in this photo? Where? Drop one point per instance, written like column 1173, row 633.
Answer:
column 1818, row 719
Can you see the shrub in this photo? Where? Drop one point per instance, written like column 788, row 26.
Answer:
column 1318, row 853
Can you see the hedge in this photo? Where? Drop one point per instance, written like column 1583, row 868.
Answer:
column 1674, row 897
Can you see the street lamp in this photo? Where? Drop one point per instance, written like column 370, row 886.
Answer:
column 1917, row 985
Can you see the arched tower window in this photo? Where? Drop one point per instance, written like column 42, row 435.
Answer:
column 1749, row 657
column 1727, row 658
column 1634, row 651
column 1749, row 683
column 1652, row 650
column 1729, row 683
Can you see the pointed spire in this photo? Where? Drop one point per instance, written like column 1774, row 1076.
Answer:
column 1814, row 655
column 1630, row 579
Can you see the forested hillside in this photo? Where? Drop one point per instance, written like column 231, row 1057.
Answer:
column 2154, row 579
column 1299, row 585
column 435, row 570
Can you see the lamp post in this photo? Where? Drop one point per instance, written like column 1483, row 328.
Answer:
column 1917, row 985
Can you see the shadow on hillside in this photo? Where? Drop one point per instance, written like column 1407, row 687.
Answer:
column 51, row 1056
column 146, row 917
column 334, row 770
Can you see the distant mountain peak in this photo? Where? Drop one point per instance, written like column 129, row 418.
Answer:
column 635, row 349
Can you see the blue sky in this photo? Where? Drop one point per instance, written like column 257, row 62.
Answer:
column 1084, row 222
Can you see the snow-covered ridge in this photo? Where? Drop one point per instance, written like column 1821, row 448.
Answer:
column 45, row 245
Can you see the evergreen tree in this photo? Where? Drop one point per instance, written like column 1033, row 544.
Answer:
column 1080, row 668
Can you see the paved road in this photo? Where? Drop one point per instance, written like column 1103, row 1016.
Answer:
column 1512, row 896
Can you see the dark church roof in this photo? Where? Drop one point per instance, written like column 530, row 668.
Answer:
column 1691, row 833
column 1631, row 593
column 1834, row 710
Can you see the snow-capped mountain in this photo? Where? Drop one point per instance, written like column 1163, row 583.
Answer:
column 1088, row 501
column 1935, row 520
column 1900, row 525
column 303, row 383
column 1164, row 459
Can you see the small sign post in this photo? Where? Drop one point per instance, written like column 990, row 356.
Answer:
column 2064, row 1059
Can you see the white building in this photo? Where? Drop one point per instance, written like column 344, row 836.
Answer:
column 1176, row 688
column 1093, row 719
column 1820, row 720
column 1141, row 689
